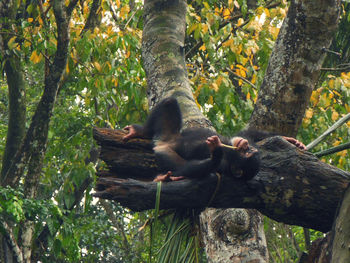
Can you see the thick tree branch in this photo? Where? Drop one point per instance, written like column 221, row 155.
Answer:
column 17, row 90
column 294, row 65
column 292, row 186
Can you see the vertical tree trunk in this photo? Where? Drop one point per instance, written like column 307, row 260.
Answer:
column 163, row 56
column 294, row 65
column 341, row 232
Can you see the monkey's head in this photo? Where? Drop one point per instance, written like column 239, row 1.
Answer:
column 241, row 161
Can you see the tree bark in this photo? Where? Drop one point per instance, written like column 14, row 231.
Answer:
column 163, row 57
column 164, row 63
column 292, row 186
column 340, row 245
column 294, row 65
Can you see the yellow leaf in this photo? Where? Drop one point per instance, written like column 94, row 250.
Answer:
column 309, row 113
column 219, row 81
column 11, row 43
column 27, row 44
column 226, row 13
column 85, row 8
column 331, row 83
column 248, row 96
column 205, row 28
column 202, row 48
column 227, row 43
column 67, row 68
column 109, row 65
column 242, row 73
column 214, row 86
column 124, row 11
column 30, row 19
column 336, row 143
column 230, row 4
column 240, row 22
column 253, row 80
column 335, row 116
column 117, row 2
column 35, row 58
column 347, row 107
column 267, row 12
column 192, row 28
column 97, row 66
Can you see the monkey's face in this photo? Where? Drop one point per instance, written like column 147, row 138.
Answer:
column 242, row 162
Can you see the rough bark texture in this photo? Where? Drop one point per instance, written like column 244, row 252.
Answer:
column 164, row 63
column 9, row 249
column 238, row 235
column 341, row 238
column 294, row 65
column 292, row 186
column 163, row 57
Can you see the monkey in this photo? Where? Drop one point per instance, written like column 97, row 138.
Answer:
column 197, row 152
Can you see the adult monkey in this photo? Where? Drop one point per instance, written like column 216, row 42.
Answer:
column 197, row 152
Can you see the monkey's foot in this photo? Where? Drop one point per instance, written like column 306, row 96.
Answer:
column 132, row 133
column 294, row 141
column 167, row 177
column 213, row 142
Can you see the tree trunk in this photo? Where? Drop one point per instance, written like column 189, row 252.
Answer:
column 294, row 65
column 163, row 60
column 341, row 239
column 292, row 186
column 17, row 112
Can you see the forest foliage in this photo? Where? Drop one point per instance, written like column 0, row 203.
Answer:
column 228, row 44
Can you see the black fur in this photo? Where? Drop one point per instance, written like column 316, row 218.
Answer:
column 186, row 153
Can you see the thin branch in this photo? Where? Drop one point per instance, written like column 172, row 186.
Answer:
column 71, row 7
column 329, row 131
column 345, row 68
column 331, row 52
column 338, row 148
column 118, row 225
column 11, row 241
column 241, row 78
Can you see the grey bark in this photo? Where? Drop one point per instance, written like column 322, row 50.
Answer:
column 294, row 65
column 292, row 186
column 340, row 252
column 163, row 60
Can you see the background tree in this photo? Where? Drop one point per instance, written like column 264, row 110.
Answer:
column 50, row 216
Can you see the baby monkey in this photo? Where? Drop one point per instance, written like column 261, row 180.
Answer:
column 197, row 152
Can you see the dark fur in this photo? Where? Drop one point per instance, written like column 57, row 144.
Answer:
column 186, row 153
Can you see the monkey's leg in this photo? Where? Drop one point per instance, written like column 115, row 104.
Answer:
column 165, row 120
column 168, row 161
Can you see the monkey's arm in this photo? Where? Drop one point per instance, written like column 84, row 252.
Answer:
column 256, row 136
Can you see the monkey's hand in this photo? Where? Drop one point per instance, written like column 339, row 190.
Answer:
column 294, row 141
column 213, row 142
